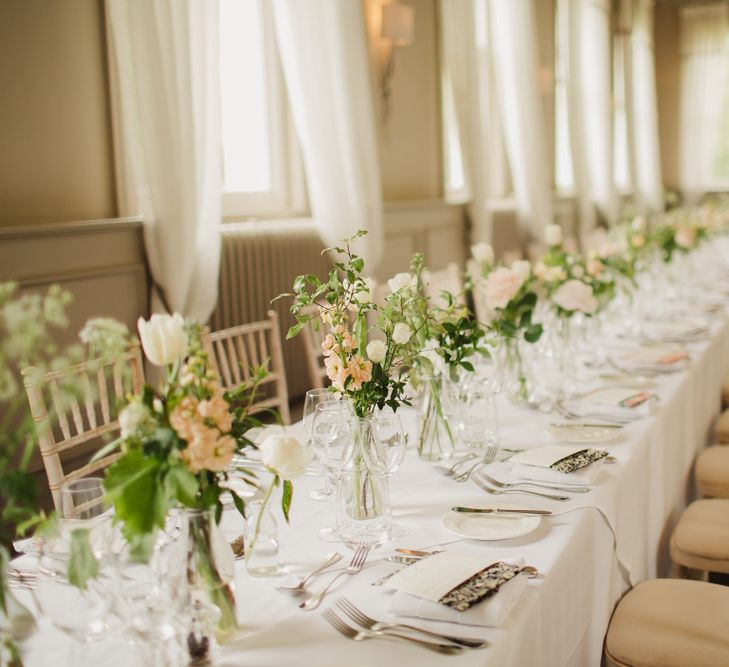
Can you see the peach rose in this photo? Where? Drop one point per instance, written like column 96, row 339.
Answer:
column 574, row 295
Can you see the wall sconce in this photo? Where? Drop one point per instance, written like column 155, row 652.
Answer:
column 398, row 28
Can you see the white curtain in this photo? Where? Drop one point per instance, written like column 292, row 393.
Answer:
column 166, row 110
column 513, row 37
column 703, row 49
column 323, row 49
column 591, row 104
column 642, row 109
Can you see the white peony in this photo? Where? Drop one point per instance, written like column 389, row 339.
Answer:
column 284, row 455
column 483, row 253
column 553, row 235
column 521, row 268
column 164, row 338
column 401, row 281
column 502, row 285
column 402, row 333
column 133, row 418
column 575, row 295
column 376, row 351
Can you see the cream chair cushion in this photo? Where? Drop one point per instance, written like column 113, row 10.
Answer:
column 721, row 429
column 712, row 472
column 700, row 540
column 670, row 623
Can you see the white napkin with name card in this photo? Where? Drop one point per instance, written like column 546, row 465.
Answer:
column 683, row 328
column 534, row 464
column 660, row 358
column 621, row 402
column 419, row 587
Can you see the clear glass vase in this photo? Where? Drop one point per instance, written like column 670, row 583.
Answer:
column 210, row 571
column 435, row 438
column 514, row 380
column 261, row 541
column 363, row 505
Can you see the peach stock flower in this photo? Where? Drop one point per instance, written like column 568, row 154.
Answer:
column 594, row 266
column 502, row 285
column 207, row 450
column 184, row 417
column 217, row 410
column 360, row 370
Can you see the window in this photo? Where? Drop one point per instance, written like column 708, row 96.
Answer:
column 262, row 174
column 564, row 179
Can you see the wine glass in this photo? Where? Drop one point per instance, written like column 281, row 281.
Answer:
column 314, row 398
column 83, row 613
column 331, row 436
column 387, row 452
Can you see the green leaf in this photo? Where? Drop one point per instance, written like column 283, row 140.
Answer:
column 286, row 498
column 294, row 330
column 132, row 485
column 239, row 503
column 106, row 449
column 82, row 565
column 184, row 484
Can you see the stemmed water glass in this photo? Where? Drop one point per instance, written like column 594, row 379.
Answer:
column 81, row 613
column 315, row 398
column 386, row 453
column 333, row 444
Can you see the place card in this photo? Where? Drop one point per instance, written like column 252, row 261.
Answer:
column 620, row 397
column 434, row 577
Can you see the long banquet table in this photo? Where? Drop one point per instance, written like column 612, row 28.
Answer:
column 588, row 554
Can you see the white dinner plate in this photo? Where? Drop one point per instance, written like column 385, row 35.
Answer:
column 488, row 526
column 584, row 435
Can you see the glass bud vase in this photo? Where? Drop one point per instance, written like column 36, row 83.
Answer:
column 435, row 438
column 261, row 541
column 514, row 380
column 363, row 504
column 210, row 569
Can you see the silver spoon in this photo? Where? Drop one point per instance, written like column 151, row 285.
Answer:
column 300, row 588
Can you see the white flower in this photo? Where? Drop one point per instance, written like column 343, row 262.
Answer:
column 483, row 253
column 164, row 338
column 553, row 235
column 502, row 286
column 639, row 224
column 365, row 294
column 284, row 455
column 402, row 333
column 521, row 268
column 549, row 274
column 133, row 418
column 376, row 351
column 430, row 352
column 575, row 295
column 400, row 281
column 578, row 271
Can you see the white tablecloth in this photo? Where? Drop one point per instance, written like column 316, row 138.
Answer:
column 587, row 555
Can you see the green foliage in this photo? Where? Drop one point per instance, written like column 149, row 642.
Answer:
column 82, row 564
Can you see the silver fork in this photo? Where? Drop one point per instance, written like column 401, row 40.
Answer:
column 508, row 485
column 355, row 565
column 359, row 635
column 450, row 470
column 498, row 492
column 371, row 624
column 488, row 457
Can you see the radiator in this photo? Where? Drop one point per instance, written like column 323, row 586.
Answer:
column 259, row 261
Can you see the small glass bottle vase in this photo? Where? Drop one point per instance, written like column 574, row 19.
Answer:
column 363, row 503
column 210, row 569
column 514, row 379
column 435, row 438
column 261, row 541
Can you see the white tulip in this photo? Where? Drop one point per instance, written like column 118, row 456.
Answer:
column 284, row 455
column 164, row 338
column 402, row 333
column 522, row 268
column 400, row 281
column 376, row 351
column 553, row 235
column 483, row 253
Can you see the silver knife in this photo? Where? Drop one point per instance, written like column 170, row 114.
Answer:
column 495, row 510
column 585, row 425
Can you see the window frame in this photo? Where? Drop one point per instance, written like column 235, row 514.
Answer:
column 287, row 196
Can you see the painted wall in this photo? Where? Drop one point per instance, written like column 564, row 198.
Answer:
column 55, row 130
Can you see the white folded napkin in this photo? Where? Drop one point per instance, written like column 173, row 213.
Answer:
column 657, row 358
column 534, row 464
column 491, row 612
column 607, row 402
column 584, row 475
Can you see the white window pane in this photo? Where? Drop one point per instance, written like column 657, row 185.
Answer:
column 455, row 182
column 563, row 175
column 244, row 108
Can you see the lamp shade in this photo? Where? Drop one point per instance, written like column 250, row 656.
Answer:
column 398, row 23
